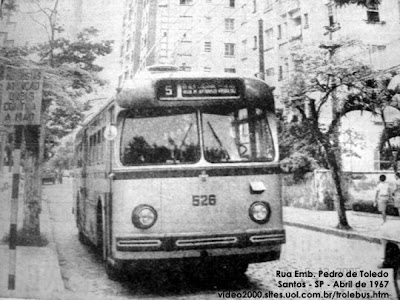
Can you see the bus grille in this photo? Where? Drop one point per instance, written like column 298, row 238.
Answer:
column 139, row 243
column 207, row 241
column 173, row 243
column 266, row 238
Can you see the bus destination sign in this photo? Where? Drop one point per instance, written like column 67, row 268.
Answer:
column 199, row 89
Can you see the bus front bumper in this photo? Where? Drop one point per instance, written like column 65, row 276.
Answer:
column 260, row 246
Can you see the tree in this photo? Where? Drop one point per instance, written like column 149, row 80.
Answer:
column 7, row 6
column 299, row 150
column 64, row 155
column 70, row 73
column 321, row 82
column 365, row 3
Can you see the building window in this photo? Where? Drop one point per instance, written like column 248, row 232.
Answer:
column 296, row 29
column 208, row 19
column 231, row 3
column 279, row 32
column 207, row 69
column 373, row 14
column 306, row 21
column 244, row 49
column 207, row 46
column 230, row 70
column 269, row 35
column 330, row 15
column 244, row 13
column 229, row 24
column 280, row 74
column 269, row 72
column 229, row 49
column 255, row 40
column 383, row 158
column 208, row 1
column 254, row 5
column 185, row 2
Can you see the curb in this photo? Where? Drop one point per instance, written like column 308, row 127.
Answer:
column 373, row 215
column 337, row 232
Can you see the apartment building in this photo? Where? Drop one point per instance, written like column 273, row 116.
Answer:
column 254, row 37
column 197, row 35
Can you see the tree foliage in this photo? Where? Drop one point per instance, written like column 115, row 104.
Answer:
column 323, row 89
column 300, row 151
column 7, row 6
column 364, row 3
column 67, row 82
column 63, row 157
column 81, row 52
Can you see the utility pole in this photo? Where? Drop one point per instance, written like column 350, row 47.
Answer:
column 261, row 49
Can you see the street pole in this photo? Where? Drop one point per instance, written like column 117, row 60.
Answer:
column 261, row 49
column 12, row 263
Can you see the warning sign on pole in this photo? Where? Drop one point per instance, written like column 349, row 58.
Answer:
column 20, row 96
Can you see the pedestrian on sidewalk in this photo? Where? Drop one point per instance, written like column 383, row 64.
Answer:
column 396, row 194
column 382, row 196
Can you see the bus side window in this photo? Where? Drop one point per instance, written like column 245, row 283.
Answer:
column 98, row 148
column 102, row 145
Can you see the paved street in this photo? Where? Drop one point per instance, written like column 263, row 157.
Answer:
column 84, row 275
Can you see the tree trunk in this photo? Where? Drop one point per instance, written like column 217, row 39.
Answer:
column 31, row 224
column 336, row 175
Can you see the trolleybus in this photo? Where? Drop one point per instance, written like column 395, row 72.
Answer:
column 182, row 167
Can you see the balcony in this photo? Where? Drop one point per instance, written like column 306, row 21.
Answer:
column 295, row 33
column 288, row 6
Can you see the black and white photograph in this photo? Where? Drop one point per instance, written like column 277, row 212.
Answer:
column 199, row 149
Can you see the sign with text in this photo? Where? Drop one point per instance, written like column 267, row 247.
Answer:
column 206, row 89
column 20, row 96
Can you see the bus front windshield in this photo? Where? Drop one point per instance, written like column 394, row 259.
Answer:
column 172, row 136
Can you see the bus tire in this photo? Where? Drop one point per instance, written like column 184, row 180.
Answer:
column 99, row 229
column 114, row 273
column 81, row 237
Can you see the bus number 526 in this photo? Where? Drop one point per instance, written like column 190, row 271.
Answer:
column 204, row 200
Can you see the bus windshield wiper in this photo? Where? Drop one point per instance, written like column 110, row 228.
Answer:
column 185, row 137
column 218, row 140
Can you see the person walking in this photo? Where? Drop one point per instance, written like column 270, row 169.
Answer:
column 382, row 196
column 396, row 193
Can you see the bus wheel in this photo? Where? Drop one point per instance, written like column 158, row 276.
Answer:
column 99, row 229
column 114, row 273
column 81, row 237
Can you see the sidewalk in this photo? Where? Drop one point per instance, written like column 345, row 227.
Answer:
column 365, row 226
column 38, row 274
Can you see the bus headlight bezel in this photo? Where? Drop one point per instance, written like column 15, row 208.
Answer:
column 259, row 212
column 144, row 216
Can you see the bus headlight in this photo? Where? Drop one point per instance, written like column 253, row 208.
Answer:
column 259, row 212
column 144, row 216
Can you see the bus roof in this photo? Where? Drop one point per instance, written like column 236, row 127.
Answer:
column 178, row 88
